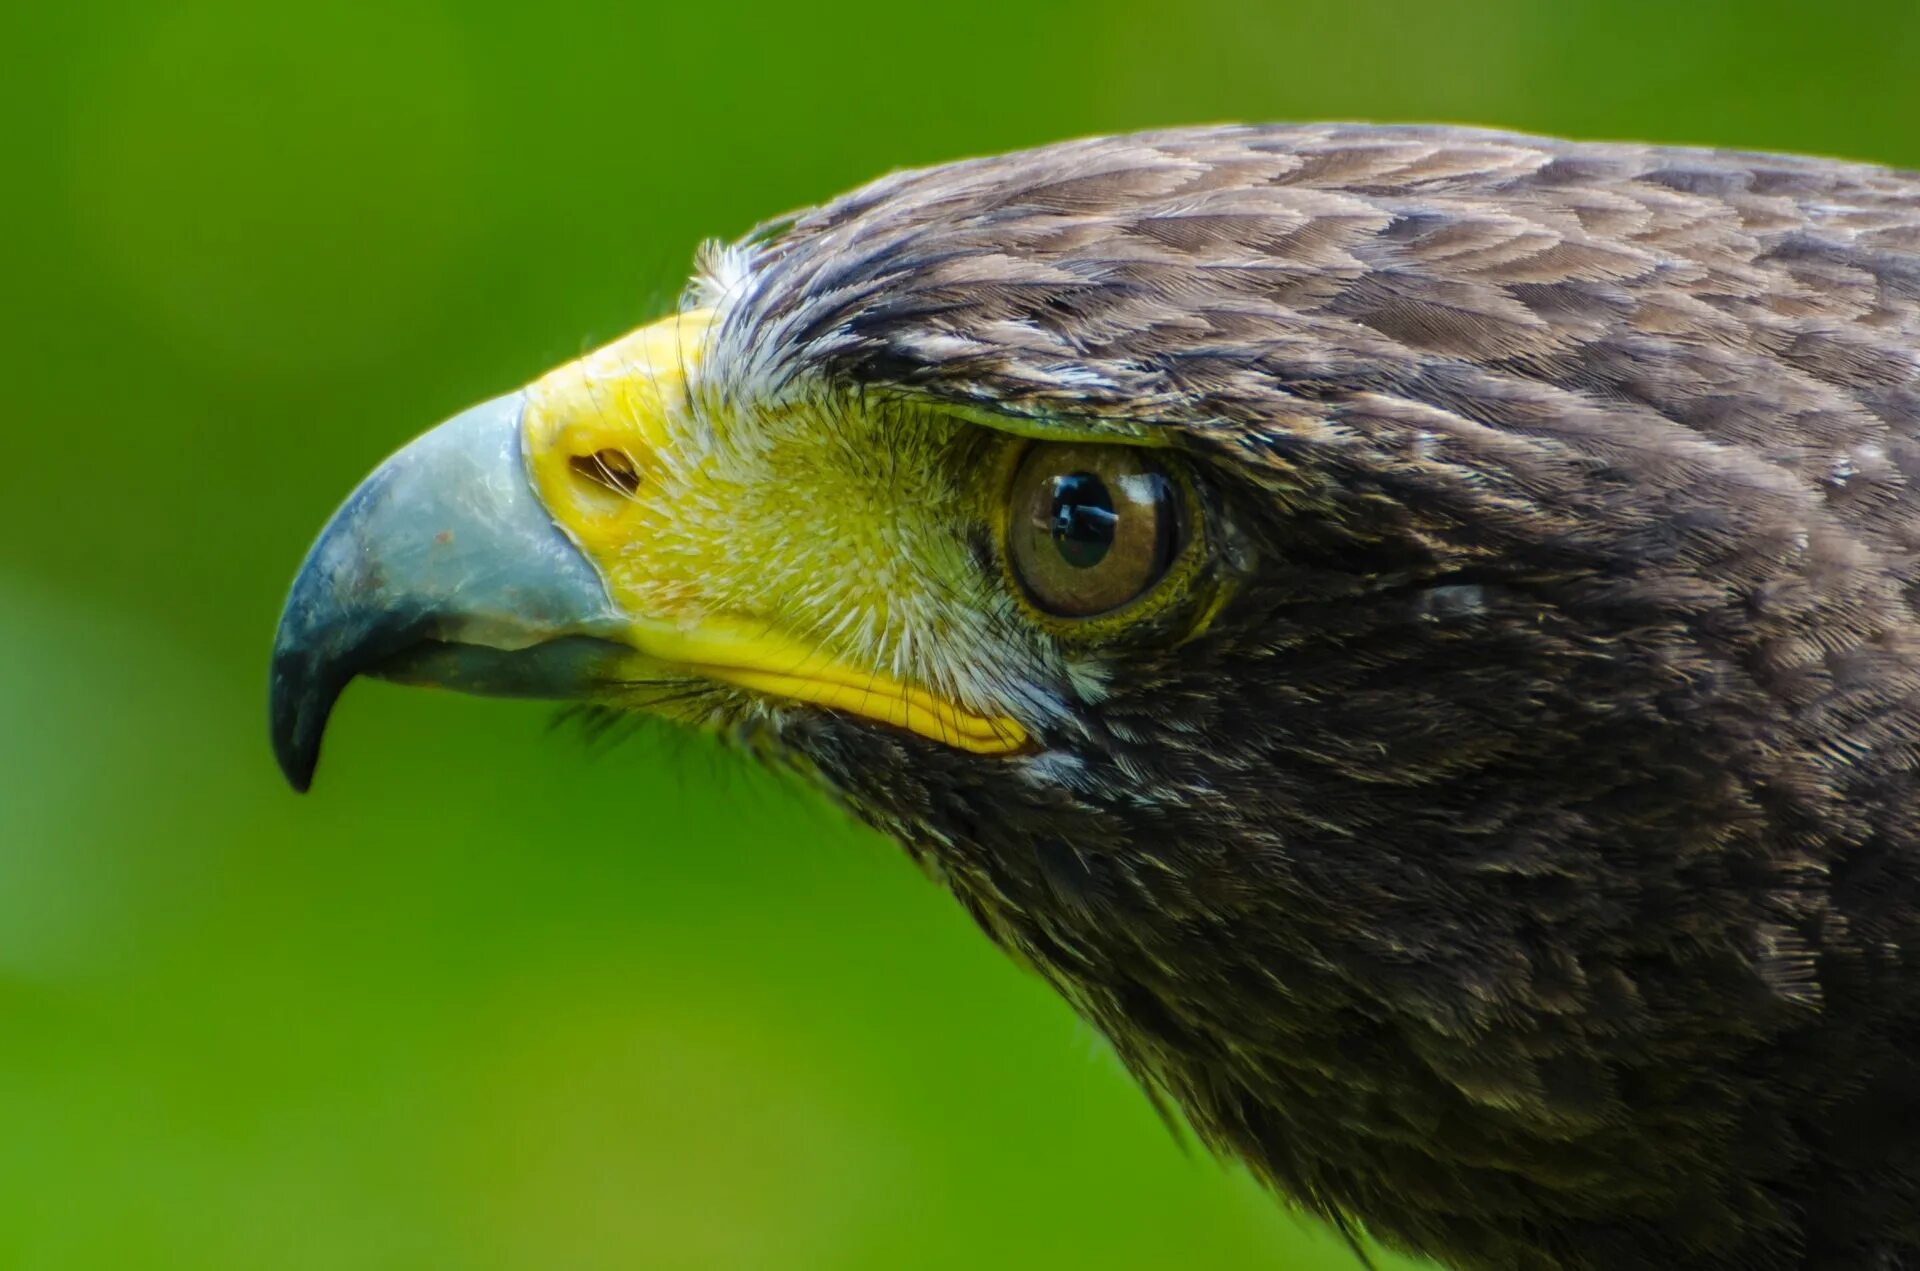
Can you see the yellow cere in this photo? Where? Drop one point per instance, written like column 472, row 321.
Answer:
column 791, row 552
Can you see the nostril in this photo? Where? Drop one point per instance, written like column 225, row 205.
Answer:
column 611, row 468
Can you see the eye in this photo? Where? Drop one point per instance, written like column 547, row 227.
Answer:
column 1093, row 527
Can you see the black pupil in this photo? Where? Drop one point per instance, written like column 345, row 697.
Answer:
column 1083, row 519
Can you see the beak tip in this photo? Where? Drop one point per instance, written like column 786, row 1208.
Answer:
column 298, row 770
column 299, row 704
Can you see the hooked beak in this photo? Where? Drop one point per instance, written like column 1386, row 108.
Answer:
column 442, row 568
column 478, row 559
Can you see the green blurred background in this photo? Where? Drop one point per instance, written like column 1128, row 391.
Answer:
column 492, row 998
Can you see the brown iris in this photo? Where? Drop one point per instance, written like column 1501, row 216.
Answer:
column 1093, row 526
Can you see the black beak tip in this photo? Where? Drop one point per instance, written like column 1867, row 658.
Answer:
column 311, row 670
column 300, row 699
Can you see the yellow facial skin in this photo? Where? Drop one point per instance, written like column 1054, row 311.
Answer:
column 807, row 553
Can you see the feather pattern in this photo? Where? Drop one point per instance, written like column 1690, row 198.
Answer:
column 1525, row 862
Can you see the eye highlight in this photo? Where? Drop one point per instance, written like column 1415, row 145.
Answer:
column 1093, row 527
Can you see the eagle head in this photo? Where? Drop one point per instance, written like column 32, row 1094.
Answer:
column 1404, row 628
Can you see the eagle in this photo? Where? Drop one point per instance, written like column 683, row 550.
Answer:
column 1414, row 632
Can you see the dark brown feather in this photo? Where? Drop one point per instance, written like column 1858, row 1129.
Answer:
column 1526, row 861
